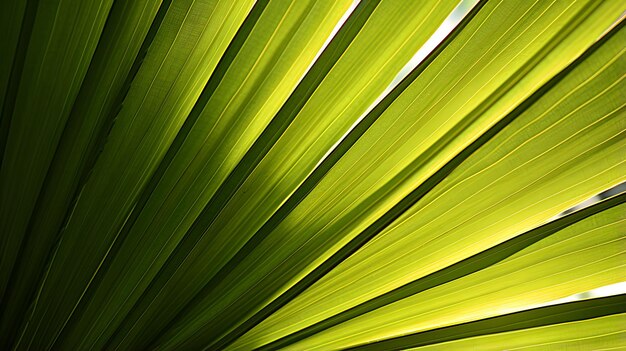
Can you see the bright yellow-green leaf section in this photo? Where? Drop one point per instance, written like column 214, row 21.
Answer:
column 605, row 333
column 450, row 92
column 584, row 256
column 386, row 42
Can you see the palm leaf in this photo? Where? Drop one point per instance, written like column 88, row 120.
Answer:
column 593, row 333
column 206, row 174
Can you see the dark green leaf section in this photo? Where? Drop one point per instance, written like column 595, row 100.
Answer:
column 121, row 18
column 179, row 62
column 51, row 60
column 563, row 313
column 102, row 91
column 16, row 25
column 458, row 270
column 79, row 317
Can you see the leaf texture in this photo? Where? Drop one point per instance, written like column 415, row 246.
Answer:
column 262, row 174
column 356, row 284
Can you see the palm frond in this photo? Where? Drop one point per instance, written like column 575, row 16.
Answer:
column 210, row 174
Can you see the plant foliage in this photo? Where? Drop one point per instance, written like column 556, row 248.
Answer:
column 216, row 174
